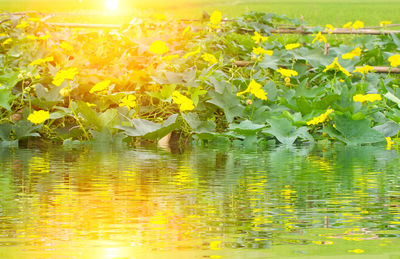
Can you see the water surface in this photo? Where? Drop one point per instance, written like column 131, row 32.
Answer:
column 203, row 203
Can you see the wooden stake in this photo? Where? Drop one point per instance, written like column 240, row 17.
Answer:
column 392, row 70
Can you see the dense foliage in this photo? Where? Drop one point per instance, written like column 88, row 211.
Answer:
column 218, row 81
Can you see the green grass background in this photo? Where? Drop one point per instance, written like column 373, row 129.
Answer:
column 317, row 12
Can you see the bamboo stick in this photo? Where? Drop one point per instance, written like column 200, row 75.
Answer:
column 84, row 25
column 336, row 31
column 393, row 70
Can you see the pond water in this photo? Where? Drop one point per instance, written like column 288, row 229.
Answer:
column 203, row 203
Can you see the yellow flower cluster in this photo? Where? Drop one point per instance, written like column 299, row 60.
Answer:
column 329, row 28
column 258, row 37
column 287, row 72
column 292, row 46
column 67, row 74
column 209, row 58
column 41, row 61
column 158, row 47
column 38, row 117
column 394, row 60
column 42, row 37
column 356, row 25
column 101, row 86
column 255, row 89
column 321, row 118
column 385, row 23
column 364, row 69
column 335, row 65
column 128, row 101
column 185, row 104
column 260, row 50
column 354, row 53
column 319, row 37
column 367, row 98
column 215, row 19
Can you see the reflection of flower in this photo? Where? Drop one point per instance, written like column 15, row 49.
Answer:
column 254, row 88
column 354, row 53
column 292, row 46
column 215, row 19
column 364, row 69
column 367, row 98
column 65, row 74
column 101, row 86
column 319, row 37
column 335, row 65
column 357, row 251
column 185, row 104
column 209, row 58
column 389, row 143
column 394, row 60
column 38, row 117
column 128, row 101
column 258, row 37
column 321, row 118
column 158, row 47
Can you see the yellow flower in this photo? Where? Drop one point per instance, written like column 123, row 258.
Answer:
column 321, row 118
column 31, row 37
column 292, row 46
column 357, row 251
column 128, row 101
column 186, row 30
column 44, row 37
column 38, row 117
column 189, row 54
column 319, row 37
column 41, row 61
column 7, row 41
column 255, row 89
column 101, row 86
column 385, row 23
column 215, row 19
column 260, row 50
column 335, row 65
column 364, row 69
column 185, row 104
column 170, row 57
column 258, row 38
column 66, row 91
column 22, row 25
column 66, row 46
column 394, row 60
column 354, row 53
column 209, row 58
column 158, row 47
column 358, row 24
column 348, row 25
column 67, row 74
column 287, row 72
column 329, row 28
column 389, row 142
column 287, row 81
column 367, row 98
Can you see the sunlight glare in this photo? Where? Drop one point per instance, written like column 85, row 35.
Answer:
column 112, row 5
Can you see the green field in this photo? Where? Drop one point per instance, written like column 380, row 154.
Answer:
column 317, row 12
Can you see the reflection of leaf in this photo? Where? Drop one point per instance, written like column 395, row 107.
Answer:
column 285, row 132
column 150, row 130
column 228, row 102
column 354, row 132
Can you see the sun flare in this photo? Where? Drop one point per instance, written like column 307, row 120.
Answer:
column 112, row 5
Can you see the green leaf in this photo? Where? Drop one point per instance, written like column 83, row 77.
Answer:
column 203, row 129
column 150, row 130
column 90, row 115
column 228, row 102
column 5, row 131
column 109, row 118
column 388, row 129
column 5, row 98
column 24, row 129
column 285, row 132
column 246, row 127
column 355, row 132
column 9, row 80
column 393, row 98
column 270, row 62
